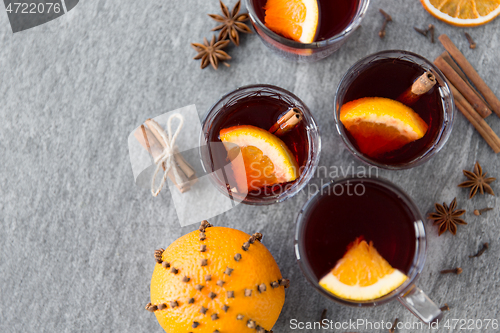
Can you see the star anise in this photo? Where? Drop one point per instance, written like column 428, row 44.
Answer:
column 211, row 53
column 447, row 217
column 231, row 23
column 477, row 181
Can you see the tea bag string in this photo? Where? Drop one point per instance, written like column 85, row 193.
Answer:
column 166, row 158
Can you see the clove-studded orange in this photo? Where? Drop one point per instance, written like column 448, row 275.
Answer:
column 216, row 279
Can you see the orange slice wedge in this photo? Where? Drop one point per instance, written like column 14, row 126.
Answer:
column 362, row 274
column 294, row 19
column 266, row 158
column 380, row 125
column 463, row 13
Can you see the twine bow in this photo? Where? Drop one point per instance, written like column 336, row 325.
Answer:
column 166, row 158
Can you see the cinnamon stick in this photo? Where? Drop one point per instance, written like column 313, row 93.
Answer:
column 463, row 87
column 153, row 145
column 446, row 56
column 290, row 113
column 422, row 84
column 286, row 123
column 475, row 119
column 289, row 125
column 471, row 73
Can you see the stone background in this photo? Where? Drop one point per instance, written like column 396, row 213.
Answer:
column 77, row 236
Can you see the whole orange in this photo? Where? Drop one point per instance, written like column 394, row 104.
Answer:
column 216, row 280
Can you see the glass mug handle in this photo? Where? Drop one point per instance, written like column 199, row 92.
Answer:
column 420, row 305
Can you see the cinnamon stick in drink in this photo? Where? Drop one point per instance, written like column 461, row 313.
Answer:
column 288, row 115
column 471, row 73
column 422, row 84
column 286, row 123
column 463, row 87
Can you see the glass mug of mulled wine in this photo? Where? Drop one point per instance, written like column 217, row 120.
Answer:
column 394, row 110
column 361, row 242
column 305, row 31
column 265, row 141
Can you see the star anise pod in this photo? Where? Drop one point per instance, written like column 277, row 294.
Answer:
column 231, row 23
column 477, row 181
column 211, row 53
column 447, row 217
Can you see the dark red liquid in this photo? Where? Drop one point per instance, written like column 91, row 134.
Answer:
column 334, row 16
column 262, row 112
column 334, row 221
column 390, row 78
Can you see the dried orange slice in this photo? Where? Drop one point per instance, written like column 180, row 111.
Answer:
column 294, row 19
column 362, row 274
column 463, row 13
column 380, row 125
column 266, row 158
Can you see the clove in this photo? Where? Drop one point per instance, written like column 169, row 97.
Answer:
column 445, row 307
column 457, row 271
column 191, row 300
column 203, row 248
column 203, row 310
column 237, row 257
column 208, row 277
column 431, row 30
column 174, row 270
column 212, row 295
column 251, row 323
column 248, row 292
column 394, row 324
column 420, row 31
column 225, row 308
column 387, row 19
column 472, row 44
column 240, row 317
column 480, row 253
column 203, row 262
column 220, row 283
column 261, row 288
column 230, row 294
column 478, row 212
column 214, row 316
column 228, row 271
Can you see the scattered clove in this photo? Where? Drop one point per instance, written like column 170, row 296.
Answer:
column 198, row 287
column 203, row 248
column 225, row 308
column 323, row 315
column 261, row 288
column 421, row 31
column 203, row 310
column 394, row 324
column 248, row 292
column 220, row 283
column 174, row 304
column 165, row 264
column 240, row 317
column 195, row 324
column 431, row 30
column 237, row 257
column 162, row 306
column 230, row 294
column 185, row 279
column 228, row 271
column 212, row 295
column 457, row 271
column 387, row 19
column 478, row 212
column 275, row 284
column 204, row 262
column 174, row 270
column 208, row 277
column 191, row 300
column 245, row 246
column 203, row 236
column 445, row 307
column 214, row 316
column 480, row 253
column 472, row 44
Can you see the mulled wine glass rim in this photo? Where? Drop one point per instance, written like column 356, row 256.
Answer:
column 355, row 22
column 418, row 258
column 446, row 100
column 313, row 141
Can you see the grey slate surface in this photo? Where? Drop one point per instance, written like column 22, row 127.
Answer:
column 77, row 236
